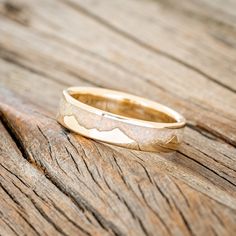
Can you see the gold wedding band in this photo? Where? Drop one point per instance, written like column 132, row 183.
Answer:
column 121, row 119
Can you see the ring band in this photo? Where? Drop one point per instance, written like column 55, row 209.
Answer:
column 121, row 119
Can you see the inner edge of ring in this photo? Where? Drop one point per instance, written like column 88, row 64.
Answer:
column 114, row 96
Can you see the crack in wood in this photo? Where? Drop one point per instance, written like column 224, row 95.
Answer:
column 105, row 224
column 20, row 211
column 208, row 168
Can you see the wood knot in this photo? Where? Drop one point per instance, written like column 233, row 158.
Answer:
column 15, row 11
column 12, row 8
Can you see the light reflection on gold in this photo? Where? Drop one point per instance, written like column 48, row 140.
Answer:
column 121, row 119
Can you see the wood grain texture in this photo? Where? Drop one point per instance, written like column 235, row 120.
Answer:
column 56, row 183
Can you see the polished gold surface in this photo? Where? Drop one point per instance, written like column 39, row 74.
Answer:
column 124, row 107
column 121, row 119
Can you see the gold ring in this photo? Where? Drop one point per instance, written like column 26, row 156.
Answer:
column 121, row 119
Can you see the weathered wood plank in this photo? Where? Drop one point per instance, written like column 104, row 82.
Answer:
column 99, row 72
column 214, row 12
column 31, row 204
column 186, row 37
column 87, row 43
column 181, row 54
column 128, row 195
column 213, row 149
column 204, row 149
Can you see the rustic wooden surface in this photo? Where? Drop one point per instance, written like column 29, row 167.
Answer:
column 180, row 53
